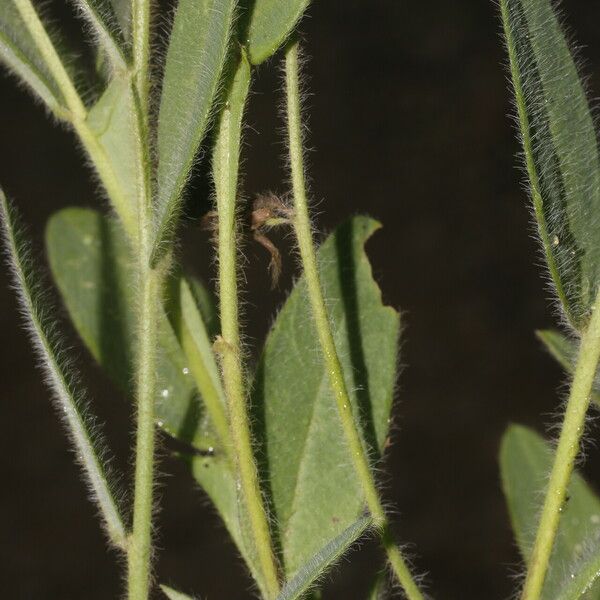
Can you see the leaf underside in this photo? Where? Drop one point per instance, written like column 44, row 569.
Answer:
column 318, row 565
column 195, row 58
column 19, row 52
column 312, row 483
column 112, row 120
column 525, row 461
column 271, row 22
column 561, row 152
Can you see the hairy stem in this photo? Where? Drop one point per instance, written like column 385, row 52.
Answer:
column 140, row 18
column 225, row 167
column 303, row 230
column 566, row 452
column 141, row 537
column 89, row 446
column 150, row 281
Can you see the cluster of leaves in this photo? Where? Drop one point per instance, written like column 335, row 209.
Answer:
column 315, row 499
column 312, row 487
column 560, row 151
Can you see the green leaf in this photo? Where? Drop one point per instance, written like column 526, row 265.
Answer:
column 195, row 59
column 271, row 22
column 314, row 489
column 113, row 122
column 315, row 568
column 525, row 461
column 561, row 348
column 561, row 151
column 564, row 351
column 172, row 594
column 91, row 265
column 582, row 575
column 90, row 448
column 378, row 587
column 20, row 54
column 195, row 341
column 215, row 476
column 90, row 262
column 105, row 26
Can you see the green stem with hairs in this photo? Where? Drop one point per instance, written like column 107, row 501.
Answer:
column 303, row 230
column 140, row 33
column 566, row 453
column 150, row 282
column 225, row 172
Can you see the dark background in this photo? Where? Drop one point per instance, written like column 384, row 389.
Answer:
column 409, row 124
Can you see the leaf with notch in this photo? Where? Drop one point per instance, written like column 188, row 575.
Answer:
column 91, row 265
column 271, row 23
column 194, row 65
column 561, row 151
column 525, row 461
column 314, row 488
column 318, row 565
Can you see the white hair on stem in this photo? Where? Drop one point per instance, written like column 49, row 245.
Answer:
column 90, row 449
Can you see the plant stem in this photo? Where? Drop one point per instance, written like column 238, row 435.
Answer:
column 566, row 452
column 90, row 449
column 140, row 541
column 302, row 227
column 225, row 167
column 150, row 282
column 140, row 19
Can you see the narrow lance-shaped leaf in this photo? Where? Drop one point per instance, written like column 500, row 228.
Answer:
column 313, row 484
column 103, row 21
column 90, row 449
column 195, row 59
column 172, row 594
column 318, row 565
column 564, row 351
column 271, row 22
column 21, row 55
column 525, row 461
column 561, row 151
column 195, row 342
